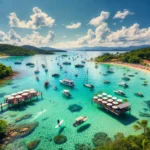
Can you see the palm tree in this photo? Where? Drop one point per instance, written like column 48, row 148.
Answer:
column 141, row 125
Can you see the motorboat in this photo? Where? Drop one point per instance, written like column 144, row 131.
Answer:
column 55, row 87
column 43, row 65
column 46, row 70
column 83, row 62
column 66, row 93
column 29, row 64
column 131, row 75
column 79, row 66
column 76, row 75
column 66, row 63
column 36, row 71
column 139, row 94
column 17, row 63
column 145, row 83
column 37, row 78
column 67, row 82
column 107, row 82
column 46, row 84
column 119, row 92
column 55, row 75
column 123, row 84
column 110, row 70
column 80, row 120
column 89, row 86
column 125, row 78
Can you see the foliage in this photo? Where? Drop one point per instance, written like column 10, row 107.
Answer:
column 11, row 50
column 135, row 56
column 3, row 126
column 5, row 71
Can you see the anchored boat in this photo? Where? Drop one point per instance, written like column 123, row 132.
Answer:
column 119, row 92
column 123, row 84
column 67, row 82
column 80, row 120
column 66, row 93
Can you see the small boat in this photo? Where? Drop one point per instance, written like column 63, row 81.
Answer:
column 67, row 82
column 107, row 82
column 142, row 78
column 36, row 71
column 131, row 75
column 66, row 63
column 139, row 94
column 76, row 75
column 66, row 93
column 145, row 83
column 55, row 87
column 37, row 78
column 46, row 70
column 125, row 78
column 80, row 120
column 110, row 70
column 83, row 62
column 43, row 65
column 105, row 74
column 17, row 63
column 46, row 84
column 79, row 66
column 87, row 84
column 123, row 84
column 29, row 64
column 119, row 92
column 55, row 75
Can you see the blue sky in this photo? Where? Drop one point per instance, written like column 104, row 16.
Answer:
column 75, row 23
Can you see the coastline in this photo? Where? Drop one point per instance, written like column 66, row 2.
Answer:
column 1, row 57
column 2, row 81
column 135, row 66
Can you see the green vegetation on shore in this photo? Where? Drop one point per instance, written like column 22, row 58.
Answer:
column 135, row 56
column 5, row 71
column 11, row 50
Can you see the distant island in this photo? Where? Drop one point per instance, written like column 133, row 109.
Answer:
column 11, row 50
column 136, row 58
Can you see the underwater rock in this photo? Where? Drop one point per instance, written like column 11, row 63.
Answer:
column 23, row 117
column 60, row 139
column 13, row 115
column 100, row 139
column 144, row 114
column 118, row 136
column 33, row 144
column 17, row 145
column 82, row 147
column 74, row 108
column 20, row 131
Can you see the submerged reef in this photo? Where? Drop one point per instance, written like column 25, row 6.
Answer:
column 23, row 117
column 60, row 139
column 82, row 147
column 33, row 144
column 75, row 108
column 101, row 139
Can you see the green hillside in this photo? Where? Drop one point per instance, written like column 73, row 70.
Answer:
column 135, row 56
column 11, row 50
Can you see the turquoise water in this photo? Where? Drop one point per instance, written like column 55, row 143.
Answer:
column 56, row 105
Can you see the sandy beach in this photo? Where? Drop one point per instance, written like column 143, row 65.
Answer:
column 1, row 57
column 135, row 66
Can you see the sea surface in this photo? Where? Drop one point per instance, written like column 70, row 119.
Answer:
column 55, row 106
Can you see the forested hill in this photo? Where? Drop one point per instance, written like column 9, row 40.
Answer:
column 12, row 50
column 135, row 56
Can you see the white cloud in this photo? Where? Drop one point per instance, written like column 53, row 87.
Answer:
column 103, row 36
column 74, row 26
column 98, row 20
column 34, row 38
column 122, row 15
column 37, row 20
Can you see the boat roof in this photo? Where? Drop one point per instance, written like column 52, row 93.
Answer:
column 79, row 118
column 124, row 105
column 65, row 90
column 67, row 80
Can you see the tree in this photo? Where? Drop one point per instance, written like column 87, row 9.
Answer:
column 3, row 126
column 141, row 125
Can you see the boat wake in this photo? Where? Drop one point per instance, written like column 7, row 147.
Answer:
column 39, row 114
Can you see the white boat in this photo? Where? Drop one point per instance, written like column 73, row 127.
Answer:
column 87, row 84
column 123, row 84
column 119, row 92
column 66, row 93
column 80, row 120
column 37, row 70
column 67, row 82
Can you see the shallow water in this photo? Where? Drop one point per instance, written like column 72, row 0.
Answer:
column 55, row 105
